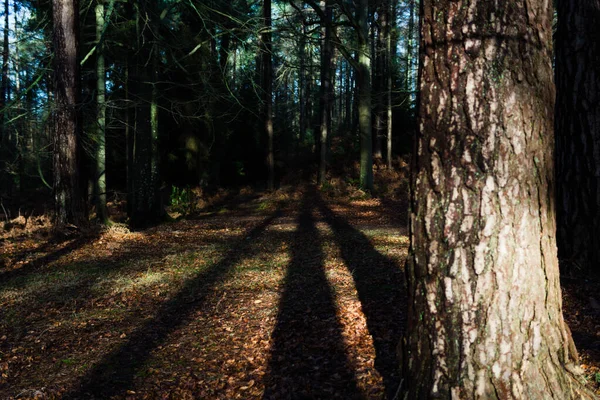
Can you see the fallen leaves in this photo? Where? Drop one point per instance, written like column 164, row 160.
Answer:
column 60, row 320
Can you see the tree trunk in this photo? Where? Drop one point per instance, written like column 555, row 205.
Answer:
column 379, row 83
column 101, row 211
column 19, row 130
column 268, row 91
column 387, row 21
column 302, row 83
column 363, row 81
column 577, row 135
column 69, row 205
column 147, row 207
column 485, row 311
column 325, row 109
column 5, row 134
column 7, row 148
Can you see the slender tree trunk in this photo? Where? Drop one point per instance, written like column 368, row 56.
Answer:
column 100, row 189
column 325, row 110
column 485, row 312
column 4, row 95
column 364, row 96
column 7, row 147
column 379, row 85
column 147, row 207
column 19, row 124
column 388, row 78
column 348, row 91
column 302, row 84
column 410, row 46
column 129, row 137
column 69, row 205
column 577, row 135
column 268, row 91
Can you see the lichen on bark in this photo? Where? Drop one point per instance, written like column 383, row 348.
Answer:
column 485, row 312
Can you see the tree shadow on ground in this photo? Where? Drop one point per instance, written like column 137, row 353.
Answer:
column 116, row 372
column 51, row 256
column 381, row 291
column 308, row 359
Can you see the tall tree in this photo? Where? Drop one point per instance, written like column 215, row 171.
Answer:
column 363, row 81
column 267, row 65
column 146, row 206
column 578, row 134
column 101, row 210
column 326, row 86
column 387, row 21
column 4, row 95
column 69, row 205
column 485, row 311
column 7, row 147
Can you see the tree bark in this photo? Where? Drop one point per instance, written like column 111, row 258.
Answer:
column 147, row 206
column 69, row 205
column 20, row 136
column 302, row 83
column 577, row 135
column 101, row 211
column 485, row 311
column 7, row 145
column 388, row 78
column 5, row 133
column 379, row 82
column 325, row 108
column 363, row 81
column 268, row 91
column 409, row 47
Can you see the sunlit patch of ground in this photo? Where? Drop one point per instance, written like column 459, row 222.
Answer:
column 280, row 296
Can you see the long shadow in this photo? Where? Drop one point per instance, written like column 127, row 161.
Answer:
column 308, row 359
column 40, row 262
column 380, row 286
column 116, row 371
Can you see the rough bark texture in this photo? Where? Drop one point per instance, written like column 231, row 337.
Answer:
column 68, row 199
column 485, row 309
column 101, row 210
column 578, row 135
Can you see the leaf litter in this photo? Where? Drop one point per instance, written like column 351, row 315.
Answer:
column 292, row 299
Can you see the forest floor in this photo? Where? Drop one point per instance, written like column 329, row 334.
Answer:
column 289, row 295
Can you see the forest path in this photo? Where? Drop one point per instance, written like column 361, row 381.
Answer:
column 285, row 296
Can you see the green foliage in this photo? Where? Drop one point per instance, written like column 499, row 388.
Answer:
column 183, row 200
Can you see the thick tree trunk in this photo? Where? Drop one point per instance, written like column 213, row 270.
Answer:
column 100, row 189
column 268, row 91
column 578, row 135
column 325, row 107
column 363, row 81
column 68, row 199
column 485, row 313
